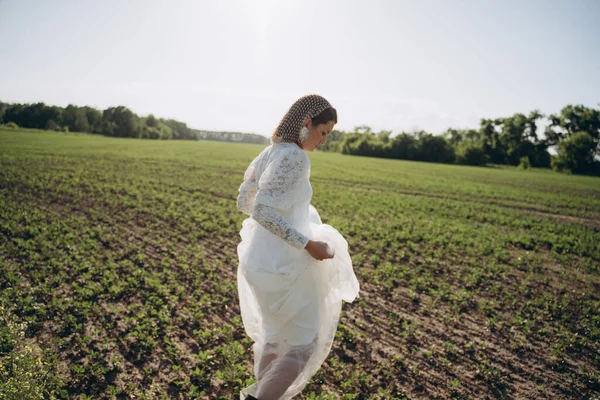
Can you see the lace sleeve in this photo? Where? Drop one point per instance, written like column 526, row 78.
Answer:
column 248, row 189
column 275, row 192
column 245, row 201
column 274, row 223
column 277, row 183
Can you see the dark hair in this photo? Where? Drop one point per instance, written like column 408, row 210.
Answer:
column 329, row 114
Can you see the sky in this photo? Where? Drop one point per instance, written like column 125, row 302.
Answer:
column 237, row 65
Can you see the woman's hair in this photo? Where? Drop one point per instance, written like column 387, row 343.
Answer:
column 329, row 114
column 314, row 106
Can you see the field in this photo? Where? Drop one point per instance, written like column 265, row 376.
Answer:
column 118, row 260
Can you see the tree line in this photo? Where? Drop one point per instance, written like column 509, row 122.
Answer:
column 114, row 121
column 574, row 132
column 232, row 137
column 514, row 140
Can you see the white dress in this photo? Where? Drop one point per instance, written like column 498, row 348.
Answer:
column 290, row 302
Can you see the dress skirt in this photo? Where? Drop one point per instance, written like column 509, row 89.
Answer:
column 290, row 303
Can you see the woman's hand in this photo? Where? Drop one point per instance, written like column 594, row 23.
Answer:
column 319, row 250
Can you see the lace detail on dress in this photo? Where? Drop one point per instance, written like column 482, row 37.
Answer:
column 249, row 187
column 245, row 201
column 277, row 183
column 264, row 192
column 274, row 223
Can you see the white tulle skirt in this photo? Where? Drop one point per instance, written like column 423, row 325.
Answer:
column 290, row 304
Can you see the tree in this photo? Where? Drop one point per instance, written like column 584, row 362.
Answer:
column 228, row 136
column 363, row 129
column 362, row 145
column 126, row 123
column 469, row 153
column 81, row 122
column 15, row 113
column 540, row 157
column 576, row 155
column 37, row 115
column 434, row 149
column 404, row 147
column 51, row 125
column 3, row 107
column 69, row 117
column 524, row 163
column 573, row 119
column 576, row 131
column 153, row 128
column 108, row 128
column 334, row 140
column 513, row 138
column 30, row 115
column 492, row 146
column 454, row 136
column 508, row 140
column 180, row 129
column 471, row 135
column 346, row 147
column 151, row 121
column 114, row 121
column 531, row 125
column 94, row 118
column 384, row 136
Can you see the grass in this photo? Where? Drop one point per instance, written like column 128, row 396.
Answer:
column 118, row 260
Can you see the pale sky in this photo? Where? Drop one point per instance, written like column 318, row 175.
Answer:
column 238, row 65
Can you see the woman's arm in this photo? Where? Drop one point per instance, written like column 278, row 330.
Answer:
column 248, row 188
column 270, row 219
column 276, row 188
column 245, row 201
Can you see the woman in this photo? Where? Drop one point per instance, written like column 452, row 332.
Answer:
column 294, row 270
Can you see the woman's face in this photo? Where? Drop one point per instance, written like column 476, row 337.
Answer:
column 317, row 134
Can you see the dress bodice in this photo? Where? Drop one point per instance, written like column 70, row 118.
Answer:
column 276, row 191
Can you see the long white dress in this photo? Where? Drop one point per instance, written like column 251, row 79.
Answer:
column 290, row 302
